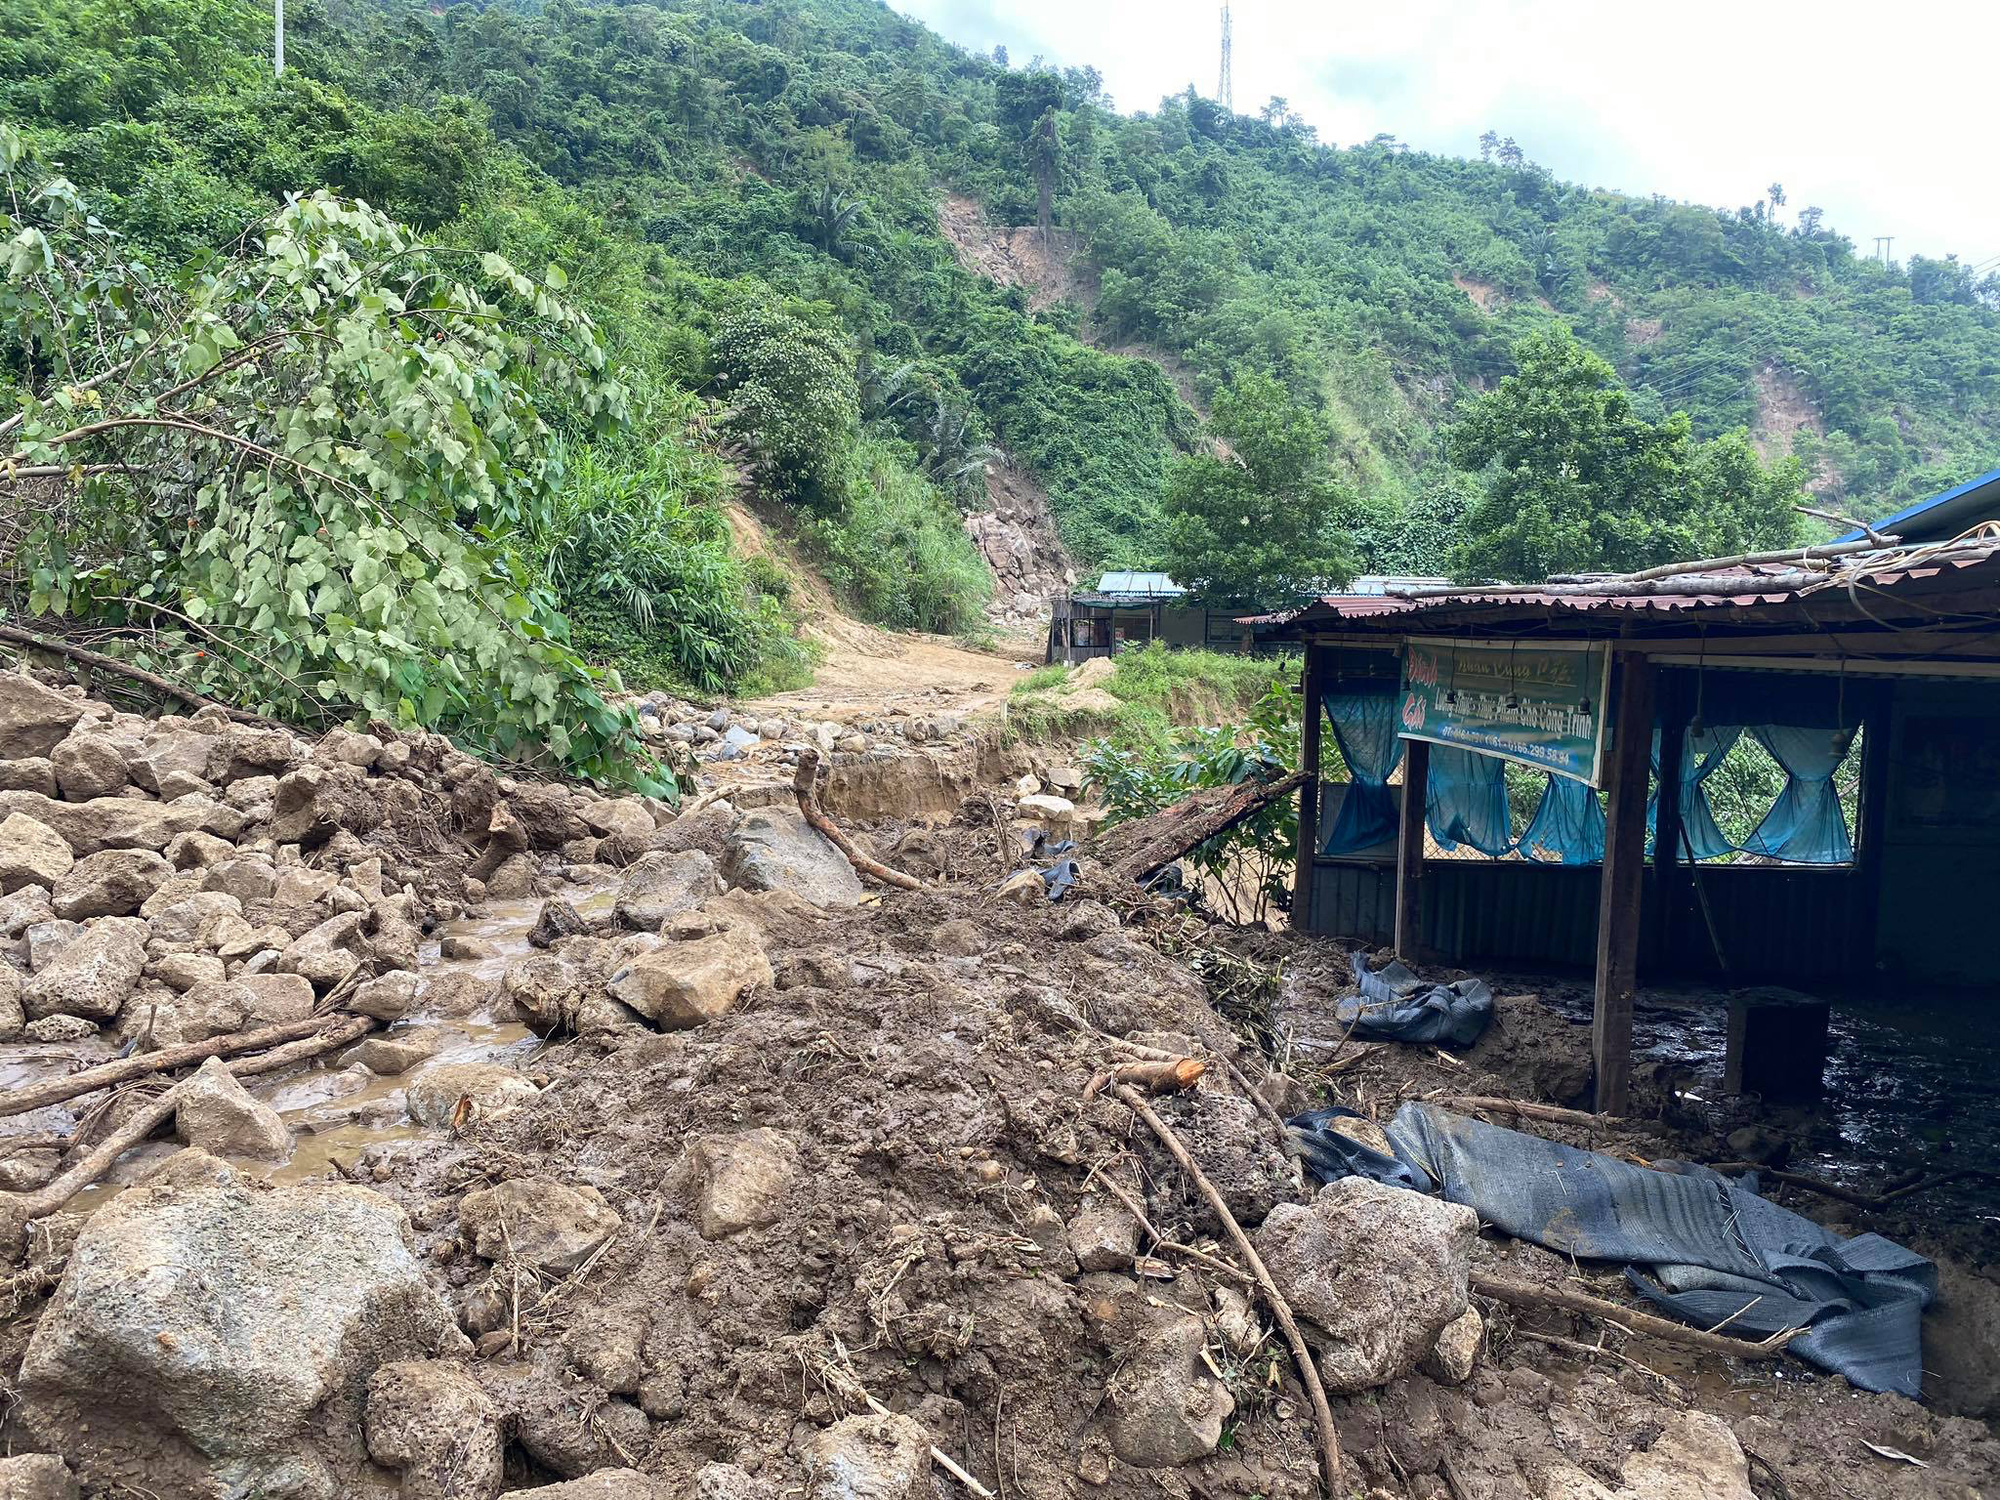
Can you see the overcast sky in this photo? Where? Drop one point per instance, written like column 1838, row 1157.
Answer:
column 1880, row 113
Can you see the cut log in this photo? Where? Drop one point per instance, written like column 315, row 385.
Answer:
column 1145, row 846
column 1174, row 1075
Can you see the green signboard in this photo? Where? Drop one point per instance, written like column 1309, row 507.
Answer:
column 1541, row 705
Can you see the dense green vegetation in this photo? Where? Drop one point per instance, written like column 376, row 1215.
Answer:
column 1576, row 479
column 744, row 199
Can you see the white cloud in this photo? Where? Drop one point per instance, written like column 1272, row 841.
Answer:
column 1879, row 115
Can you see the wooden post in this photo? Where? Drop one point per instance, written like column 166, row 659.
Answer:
column 1621, row 887
column 1410, row 851
column 1302, row 876
column 1674, row 711
column 1872, row 816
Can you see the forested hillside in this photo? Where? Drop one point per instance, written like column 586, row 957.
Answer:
column 745, row 201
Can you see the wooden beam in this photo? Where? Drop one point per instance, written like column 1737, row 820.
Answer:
column 1410, row 851
column 1308, row 843
column 1622, row 884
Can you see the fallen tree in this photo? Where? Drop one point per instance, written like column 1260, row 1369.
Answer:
column 1141, row 848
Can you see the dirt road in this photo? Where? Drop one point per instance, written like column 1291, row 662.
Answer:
column 866, row 671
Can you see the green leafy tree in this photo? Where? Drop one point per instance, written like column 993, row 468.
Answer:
column 1576, row 480
column 1264, row 518
column 290, row 474
column 791, row 395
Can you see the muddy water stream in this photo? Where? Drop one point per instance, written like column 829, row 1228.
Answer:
column 333, row 1112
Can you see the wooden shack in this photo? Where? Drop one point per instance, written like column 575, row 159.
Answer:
column 1866, row 671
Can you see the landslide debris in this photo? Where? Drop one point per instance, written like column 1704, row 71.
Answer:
column 790, row 1186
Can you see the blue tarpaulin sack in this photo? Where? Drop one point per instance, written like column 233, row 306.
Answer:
column 1394, row 1005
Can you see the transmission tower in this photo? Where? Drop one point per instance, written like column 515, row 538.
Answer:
column 1225, row 94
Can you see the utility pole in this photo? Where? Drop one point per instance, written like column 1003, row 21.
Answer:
column 1225, row 93
column 278, row 46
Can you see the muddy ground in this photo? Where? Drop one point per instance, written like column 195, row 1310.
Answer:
column 691, row 1253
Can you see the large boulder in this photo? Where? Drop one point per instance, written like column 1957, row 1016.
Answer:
column 217, row 1114
column 110, row 883
column 661, row 886
column 775, row 849
column 616, row 817
column 870, row 1458
column 435, row 1091
column 33, row 719
column 536, row 1221
column 31, row 853
column 319, row 799
column 1376, row 1272
column 1164, row 1407
column 91, row 763
column 329, row 952
column 211, row 1338
column 178, row 755
column 92, row 974
column 429, row 1419
column 684, row 984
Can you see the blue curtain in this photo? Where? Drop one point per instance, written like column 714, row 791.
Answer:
column 1804, row 825
column 1700, row 755
column 1364, row 727
column 1466, row 800
column 1568, row 826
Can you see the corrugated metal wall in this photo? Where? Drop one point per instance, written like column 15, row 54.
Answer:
column 1780, row 924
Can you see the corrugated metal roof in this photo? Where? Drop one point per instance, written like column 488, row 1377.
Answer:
column 1942, row 516
column 1882, row 572
column 1150, row 584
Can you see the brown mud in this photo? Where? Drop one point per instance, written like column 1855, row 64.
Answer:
column 877, row 1170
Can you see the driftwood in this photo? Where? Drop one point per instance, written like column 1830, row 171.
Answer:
column 105, row 1075
column 1173, row 1075
column 1535, row 1296
column 803, row 788
column 1754, row 559
column 1329, row 1437
column 18, row 1210
column 1527, row 1110
column 1145, row 845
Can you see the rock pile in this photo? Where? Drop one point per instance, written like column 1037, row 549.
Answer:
column 722, row 734
column 169, row 880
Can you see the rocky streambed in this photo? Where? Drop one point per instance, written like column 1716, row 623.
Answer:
column 668, row 1160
